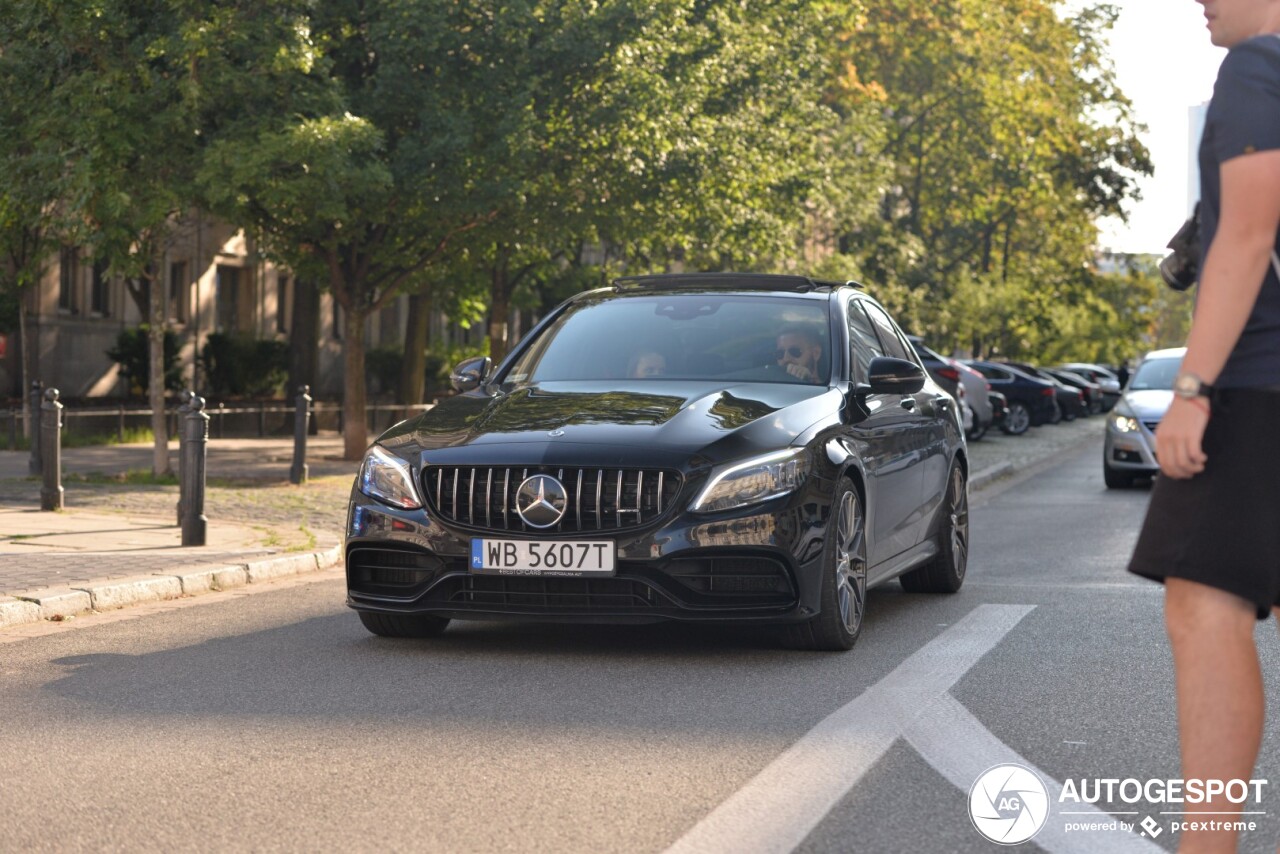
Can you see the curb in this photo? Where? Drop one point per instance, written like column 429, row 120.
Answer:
column 58, row 603
column 979, row 479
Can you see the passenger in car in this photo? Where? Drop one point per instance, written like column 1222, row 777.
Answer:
column 647, row 363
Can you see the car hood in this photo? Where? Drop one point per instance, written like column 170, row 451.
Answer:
column 1148, row 403
column 681, row 416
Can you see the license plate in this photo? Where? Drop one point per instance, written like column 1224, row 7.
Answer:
column 542, row 557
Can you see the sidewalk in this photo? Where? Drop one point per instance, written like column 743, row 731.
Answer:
column 117, row 542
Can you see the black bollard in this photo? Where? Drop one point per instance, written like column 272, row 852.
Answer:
column 51, row 459
column 193, row 448
column 301, row 423
column 183, row 409
column 37, row 401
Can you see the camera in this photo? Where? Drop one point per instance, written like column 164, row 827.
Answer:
column 1181, row 267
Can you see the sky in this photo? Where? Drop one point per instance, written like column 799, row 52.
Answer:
column 1165, row 64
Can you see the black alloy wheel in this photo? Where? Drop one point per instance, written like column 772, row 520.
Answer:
column 844, row 580
column 403, row 625
column 945, row 573
column 1018, row 419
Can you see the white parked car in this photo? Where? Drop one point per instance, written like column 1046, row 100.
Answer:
column 1130, row 448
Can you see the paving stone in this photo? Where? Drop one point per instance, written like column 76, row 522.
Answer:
column 132, row 591
column 15, row 612
column 264, row 570
column 329, row 558
column 59, row 602
column 197, row 581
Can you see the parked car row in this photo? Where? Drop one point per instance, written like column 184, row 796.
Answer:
column 1016, row 396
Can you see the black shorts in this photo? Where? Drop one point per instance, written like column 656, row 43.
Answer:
column 1222, row 527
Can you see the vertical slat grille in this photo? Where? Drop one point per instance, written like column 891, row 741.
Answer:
column 598, row 499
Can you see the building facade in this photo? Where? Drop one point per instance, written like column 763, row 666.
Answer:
column 213, row 281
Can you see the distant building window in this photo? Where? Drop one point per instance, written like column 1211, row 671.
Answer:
column 68, row 272
column 227, row 298
column 178, row 291
column 282, row 302
column 100, row 290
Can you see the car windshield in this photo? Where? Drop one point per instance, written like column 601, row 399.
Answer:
column 1155, row 374
column 683, row 336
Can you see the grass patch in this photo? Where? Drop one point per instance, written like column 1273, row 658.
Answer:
column 308, row 544
column 131, row 435
column 133, row 477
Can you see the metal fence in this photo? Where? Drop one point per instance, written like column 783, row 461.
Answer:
column 236, row 420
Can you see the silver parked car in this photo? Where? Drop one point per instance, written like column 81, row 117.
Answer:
column 1130, row 447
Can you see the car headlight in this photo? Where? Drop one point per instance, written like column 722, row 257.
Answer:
column 754, row 480
column 388, row 478
column 1122, row 420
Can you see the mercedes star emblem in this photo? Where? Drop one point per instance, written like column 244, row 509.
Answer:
column 541, row 501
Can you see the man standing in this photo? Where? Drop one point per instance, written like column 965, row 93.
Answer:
column 1212, row 532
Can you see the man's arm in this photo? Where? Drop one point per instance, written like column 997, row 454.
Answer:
column 1229, row 283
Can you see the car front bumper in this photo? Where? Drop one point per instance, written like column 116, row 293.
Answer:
column 1132, row 451
column 762, row 565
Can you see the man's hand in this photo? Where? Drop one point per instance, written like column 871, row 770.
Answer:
column 800, row 372
column 1180, row 436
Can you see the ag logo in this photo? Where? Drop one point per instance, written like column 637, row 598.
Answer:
column 1008, row 804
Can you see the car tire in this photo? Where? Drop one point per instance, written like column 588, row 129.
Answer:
column 843, row 603
column 979, row 430
column 1116, row 479
column 403, row 625
column 1055, row 416
column 946, row 572
column 1069, row 413
column 1018, row 419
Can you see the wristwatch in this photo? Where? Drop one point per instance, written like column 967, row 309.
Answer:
column 1189, row 386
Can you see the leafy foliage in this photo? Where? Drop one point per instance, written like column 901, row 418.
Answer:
column 133, row 354
column 239, row 365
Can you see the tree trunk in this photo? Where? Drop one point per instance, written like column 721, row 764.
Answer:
column 25, row 389
column 499, row 306
column 155, row 386
column 355, row 432
column 413, row 370
column 304, row 337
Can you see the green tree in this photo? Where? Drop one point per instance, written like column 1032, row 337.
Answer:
column 514, row 133
column 33, row 220
column 1009, row 139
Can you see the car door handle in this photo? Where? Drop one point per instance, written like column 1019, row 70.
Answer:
column 908, row 403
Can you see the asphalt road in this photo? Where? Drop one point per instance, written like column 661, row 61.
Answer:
column 277, row 723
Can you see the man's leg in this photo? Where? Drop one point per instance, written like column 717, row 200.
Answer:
column 1220, row 700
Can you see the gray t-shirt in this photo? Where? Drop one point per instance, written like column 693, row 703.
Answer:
column 1244, row 117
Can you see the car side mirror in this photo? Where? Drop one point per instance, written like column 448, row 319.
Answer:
column 470, row 374
column 887, row 375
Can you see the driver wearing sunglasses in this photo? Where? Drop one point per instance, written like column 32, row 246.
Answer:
column 799, row 352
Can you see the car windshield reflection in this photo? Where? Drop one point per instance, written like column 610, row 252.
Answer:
column 684, row 337
column 1155, row 374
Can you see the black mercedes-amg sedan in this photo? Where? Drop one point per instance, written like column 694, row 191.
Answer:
column 717, row 447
